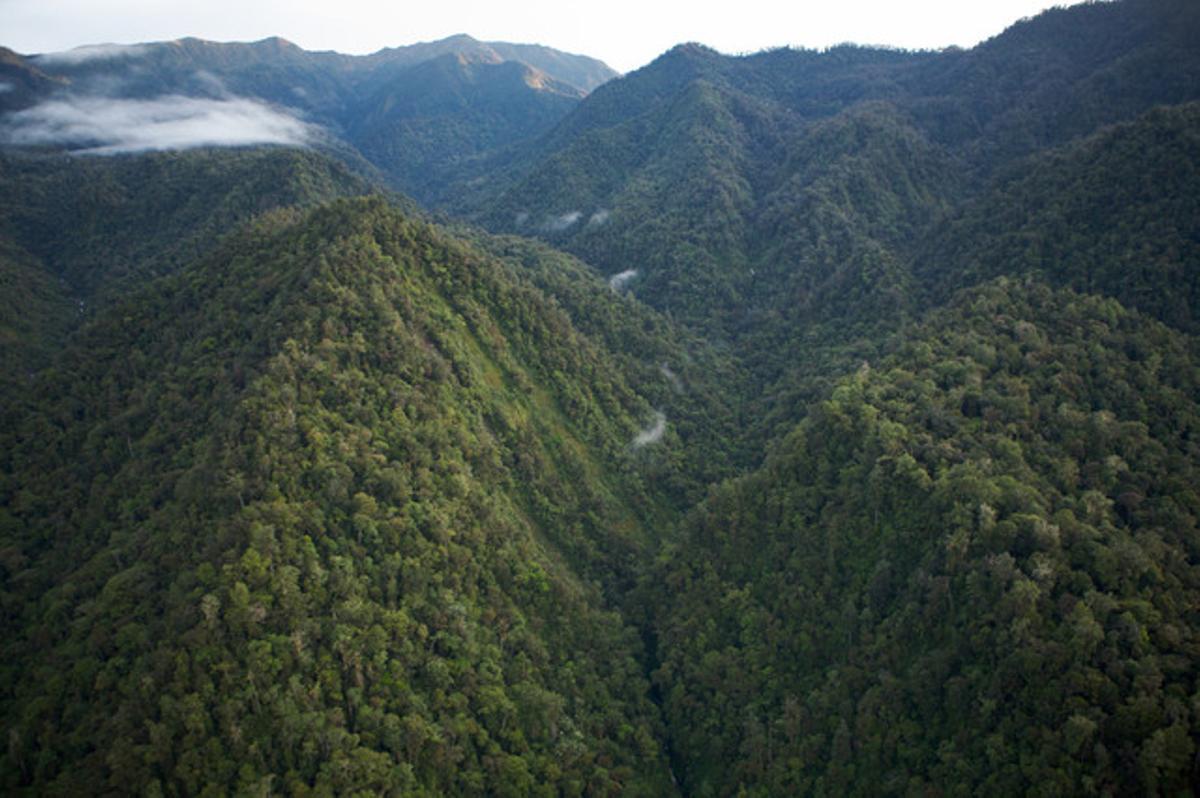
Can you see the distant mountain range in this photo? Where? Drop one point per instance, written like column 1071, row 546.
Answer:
column 799, row 423
column 418, row 114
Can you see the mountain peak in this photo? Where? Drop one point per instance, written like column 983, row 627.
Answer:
column 277, row 42
column 694, row 50
column 459, row 38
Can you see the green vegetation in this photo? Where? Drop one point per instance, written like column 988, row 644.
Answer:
column 415, row 118
column 971, row 567
column 874, row 473
column 1116, row 214
column 78, row 233
column 339, row 507
column 432, row 126
column 105, row 224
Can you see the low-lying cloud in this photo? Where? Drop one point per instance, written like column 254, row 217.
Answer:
column 109, row 126
column 91, row 52
column 5, row 86
column 671, row 376
column 557, row 224
column 621, row 279
column 599, row 217
column 652, row 433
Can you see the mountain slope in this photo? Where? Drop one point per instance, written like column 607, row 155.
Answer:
column 422, row 127
column 853, row 451
column 1058, row 76
column 36, row 313
column 580, row 71
column 1118, row 214
column 86, row 231
column 22, row 82
column 972, row 568
column 1113, row 213
column 330, row 514
column 692, row 169
column 418, row 112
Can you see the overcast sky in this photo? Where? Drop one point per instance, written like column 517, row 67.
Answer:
column 625, row 33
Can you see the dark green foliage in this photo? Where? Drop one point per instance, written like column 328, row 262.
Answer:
column 970, row 570
column 699, row 387
column 1117, row 214
column 1060, row 75
column 76, row 233
column 422, row 115
column 100, row 222
column 344, row 502
column 743, row 189
column 337, row 507
column 431, row 123
column 35, row 313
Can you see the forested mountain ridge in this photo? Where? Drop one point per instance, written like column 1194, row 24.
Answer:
column 973, row 566
column 724, row 148
column 277, row 70
column 78, row 233
column 850, row 449
column 1117, row 214
column 1112, row 214
column 418, row 113
column 780, row 201
column 344, row 484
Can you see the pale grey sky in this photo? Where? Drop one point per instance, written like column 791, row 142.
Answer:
column 625, row 33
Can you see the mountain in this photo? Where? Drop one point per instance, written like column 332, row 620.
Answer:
column 815, row 423
column 579, row 71
column 972, row 565
column 342, row 484
column 415, row 112
column 779, row 201
column 423, row 127
column 22, row 82
column 733, row 153
column 1110, row 214
column 78, row 234
column 1117, row 213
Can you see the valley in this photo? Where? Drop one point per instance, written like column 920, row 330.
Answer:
column 467, row 418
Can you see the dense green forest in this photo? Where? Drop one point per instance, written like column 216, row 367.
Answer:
column 799, row 423
column 974, row 564
column 343, row 504
column 414, row 117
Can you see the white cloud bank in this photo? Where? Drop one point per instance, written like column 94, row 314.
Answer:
column 91, row 52
column 108, row 126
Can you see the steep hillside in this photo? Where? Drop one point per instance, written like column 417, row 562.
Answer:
column 23, row 82
column 971, row 570
column 418, row 113
column 428, row 125
column 1117, row 214
column 274, row 70
column 1114, row 214
column 1058, row 76
column 580, row 71
column 849, row 445
column 723, row 179
column 338, row 506
column 36, row 312
column 83, row 232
